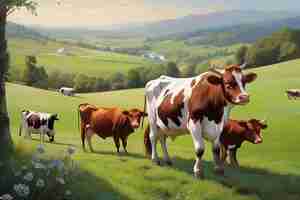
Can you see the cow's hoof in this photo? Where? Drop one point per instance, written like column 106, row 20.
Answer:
column 169, row 163
column 199, row 175
column 219, row 171
column 157, row 162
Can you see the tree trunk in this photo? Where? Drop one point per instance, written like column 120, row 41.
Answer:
column 6, row 145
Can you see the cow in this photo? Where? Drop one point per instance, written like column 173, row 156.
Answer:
column 293, row 93
column 235, row 132
column 67, row 91
column 38, row 122
column 108, row 122
column 195, row 106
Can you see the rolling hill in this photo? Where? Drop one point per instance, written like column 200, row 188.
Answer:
column 268, row 171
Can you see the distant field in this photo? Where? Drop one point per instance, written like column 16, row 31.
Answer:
column 269, row 171
column 90, row 62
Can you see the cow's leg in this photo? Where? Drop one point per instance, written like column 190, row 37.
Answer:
column 233, row 159
column 89, row 135
column 153, row 139
column 124, row 143
column 196, row 132
column 117, row 143
column 223, row 153
column 219, row 164
column 83, row 134
column 163, row 142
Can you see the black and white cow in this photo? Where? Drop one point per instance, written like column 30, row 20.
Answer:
column 39, row 123
column 67, row 91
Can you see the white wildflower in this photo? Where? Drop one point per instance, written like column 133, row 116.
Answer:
column 38, row 165
column 40, row 183
column 71, row 150
column 57, row 164
column 28, row 177
column 18, row 173
column 22, row 190
column 24, row 168
column 40, row 148
column 60, row 180
column 6, row 197
column 68, row 193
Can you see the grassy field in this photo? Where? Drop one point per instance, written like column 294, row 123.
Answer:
column 89, row 62
column 268, row 171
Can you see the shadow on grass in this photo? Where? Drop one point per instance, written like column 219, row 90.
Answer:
column 121, row 154
column 249, row 180
column 85, row 186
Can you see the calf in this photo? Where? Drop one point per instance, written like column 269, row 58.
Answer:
column 235, row 132
column 37, row 122
column 108, row 122
column 66, row 91
column 293, row 93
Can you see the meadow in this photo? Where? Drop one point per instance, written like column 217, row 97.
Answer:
column 268, row 171
column 80, row 60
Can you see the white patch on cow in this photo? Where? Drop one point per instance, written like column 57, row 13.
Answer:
column 211, row 130
column 238, row 78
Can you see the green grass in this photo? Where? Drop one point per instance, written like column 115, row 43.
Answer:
column 89, row 62
column 268, row 171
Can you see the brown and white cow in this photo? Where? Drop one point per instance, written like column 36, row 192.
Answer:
column 235, row 132
column 108, row 122
column 293, row 93
column 38, row 122
column 195, row 106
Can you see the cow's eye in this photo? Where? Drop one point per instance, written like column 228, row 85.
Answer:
column 229, row 87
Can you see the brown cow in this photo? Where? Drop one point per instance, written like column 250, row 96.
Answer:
column 108, row 122
column 235, row 132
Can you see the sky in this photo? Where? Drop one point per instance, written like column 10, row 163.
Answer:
column 100, row 13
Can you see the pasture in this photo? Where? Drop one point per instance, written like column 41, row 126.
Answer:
column 80, row 60
column 270, row 170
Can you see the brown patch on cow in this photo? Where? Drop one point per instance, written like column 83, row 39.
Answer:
column 193, row 82
column 167, row 110
column 207, row 100
column 35, row 122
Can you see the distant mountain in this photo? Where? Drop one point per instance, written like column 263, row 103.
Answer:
column 208, row 21
column 245, row 33
column 20, row 31
column 185, row 24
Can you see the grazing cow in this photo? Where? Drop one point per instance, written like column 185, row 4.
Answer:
column 193, row 106
column 293, row 93
column 108, row 122
column 37, row 122
column 235, row 132
column 67, row 91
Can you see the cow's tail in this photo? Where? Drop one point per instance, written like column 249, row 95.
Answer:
column 80, row 128
column 147, row 142
column 145, row 104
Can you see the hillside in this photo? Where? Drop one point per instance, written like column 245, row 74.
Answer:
column 75, row 60
column 20, row 31
column 268, row 171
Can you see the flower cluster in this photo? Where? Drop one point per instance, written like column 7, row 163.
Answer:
column 33, row 180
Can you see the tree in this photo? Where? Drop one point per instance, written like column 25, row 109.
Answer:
column 240, row 54
column 134, row 79
column 172, row 70
column 30, row 72
column 6, row 8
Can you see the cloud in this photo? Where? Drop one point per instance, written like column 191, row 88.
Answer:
column 96, row 13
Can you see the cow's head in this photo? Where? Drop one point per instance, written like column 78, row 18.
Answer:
column 51, row 121
column 134, row 116
column 233, row 82
column 253, row 130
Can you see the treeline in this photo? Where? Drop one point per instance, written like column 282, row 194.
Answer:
column 36, row 76
column 281, row 46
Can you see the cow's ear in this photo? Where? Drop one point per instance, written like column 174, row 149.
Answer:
column 55, row 117
column 125, row 112
column 264, row 126
column 215, row 80
column 250, row 77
